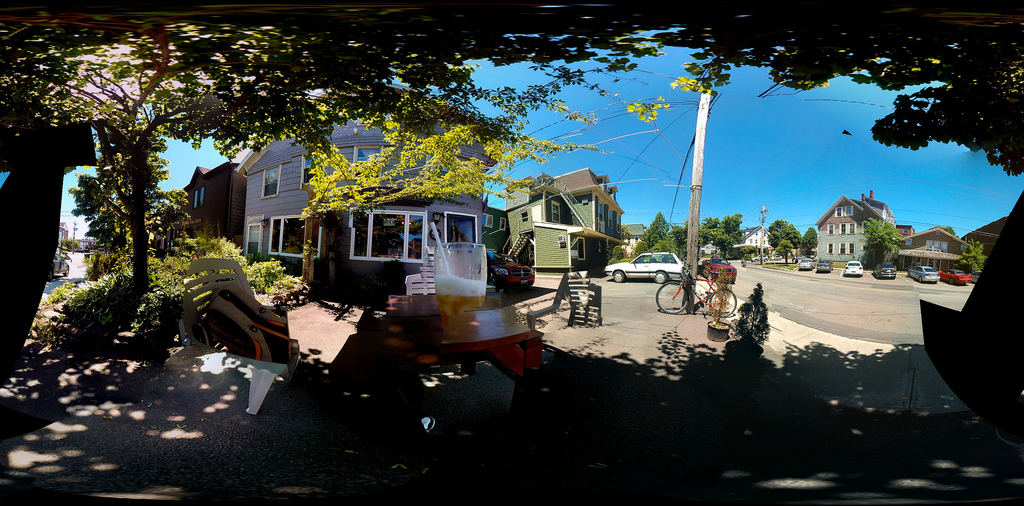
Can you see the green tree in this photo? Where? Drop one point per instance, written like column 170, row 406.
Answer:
column 779, row 231
column 657, row 231
column 640, row 247
column 678, row 235
column 882, row 239
column 809, row 240
column 972, row 257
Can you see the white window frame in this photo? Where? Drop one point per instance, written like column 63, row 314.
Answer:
column 280, row 231
column 488, row 220
column 367, row 248
column 831, row 229
column 476, row 223
column 277, row 188
column 259, row 238
column 304, row 165
column 502, row 223
column 556, row 212
column 842, row 229
column 839, row 212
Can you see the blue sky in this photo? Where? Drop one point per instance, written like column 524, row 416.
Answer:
column 786, row 151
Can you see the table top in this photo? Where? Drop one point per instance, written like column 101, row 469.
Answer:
column 474, row 330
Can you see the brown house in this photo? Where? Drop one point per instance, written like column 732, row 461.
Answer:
column 987, row 235
column 216, row 200
column 934, row 247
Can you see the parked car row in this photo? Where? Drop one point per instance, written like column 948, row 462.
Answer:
column 886, row 270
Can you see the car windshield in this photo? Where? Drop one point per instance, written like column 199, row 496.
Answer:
column 954, row 271
column 492, row 256
column 927, row 269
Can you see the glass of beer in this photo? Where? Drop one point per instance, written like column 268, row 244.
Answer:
column 460, row 278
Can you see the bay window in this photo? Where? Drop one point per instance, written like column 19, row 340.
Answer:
column 387, row 235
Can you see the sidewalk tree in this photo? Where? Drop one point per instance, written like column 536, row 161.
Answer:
column 809, row 241
column 882, row 239
column 782, row 230
column 972, row 258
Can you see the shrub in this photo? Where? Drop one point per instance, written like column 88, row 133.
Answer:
column 100, row 264
column 753, row 324
column 616, row 255
column 269, row 277
column 108, row 305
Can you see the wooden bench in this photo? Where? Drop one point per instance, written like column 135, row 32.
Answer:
column 584, row 302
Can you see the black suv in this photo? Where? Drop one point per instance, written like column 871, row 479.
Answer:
column 885, row 270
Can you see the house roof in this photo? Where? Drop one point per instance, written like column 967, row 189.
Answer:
column 932, row 231
column 204, row 173
column 872, row 206
column 636, row 228
column 582, row 179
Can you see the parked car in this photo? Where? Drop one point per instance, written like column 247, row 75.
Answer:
column 923, row 274
column 503, row 272
column 824, row 266
column 718, row 266
column 974, row 276
column 853, row 268
column 955, row 277
column 660, row 267
column 885, row 270
column 806, row 264
column 61, row 266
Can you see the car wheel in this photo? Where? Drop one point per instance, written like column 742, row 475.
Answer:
column 619, row 276
column 660, row 278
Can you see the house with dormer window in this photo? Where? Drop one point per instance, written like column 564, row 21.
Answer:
column 362, row 240
column 841, row 228
column 564, row 223
column 935, row 247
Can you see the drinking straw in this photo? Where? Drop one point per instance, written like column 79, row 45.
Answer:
column 440, row 250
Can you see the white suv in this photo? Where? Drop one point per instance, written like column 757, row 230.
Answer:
column 657, row 266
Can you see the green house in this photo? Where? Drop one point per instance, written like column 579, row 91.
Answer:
column 564, row 223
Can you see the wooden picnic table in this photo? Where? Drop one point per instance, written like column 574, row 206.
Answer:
column 409, row 336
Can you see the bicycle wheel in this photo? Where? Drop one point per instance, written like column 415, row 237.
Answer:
column 671, row 298
column 730, row 307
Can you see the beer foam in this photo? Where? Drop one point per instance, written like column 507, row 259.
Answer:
column 446, row 284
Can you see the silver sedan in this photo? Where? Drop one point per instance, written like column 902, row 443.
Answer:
column 923, row 274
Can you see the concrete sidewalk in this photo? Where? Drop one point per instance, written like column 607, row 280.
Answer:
column 641, row 405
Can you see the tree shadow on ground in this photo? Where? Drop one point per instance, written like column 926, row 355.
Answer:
column 691, row 425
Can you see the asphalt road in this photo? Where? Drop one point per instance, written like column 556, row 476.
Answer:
column 865, row 308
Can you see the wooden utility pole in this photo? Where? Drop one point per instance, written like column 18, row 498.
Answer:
column 693, row 225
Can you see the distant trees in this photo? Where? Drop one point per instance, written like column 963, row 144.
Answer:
column 809, row 241
column 783, row 236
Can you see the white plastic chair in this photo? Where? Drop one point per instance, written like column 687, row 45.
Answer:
column 208, row 277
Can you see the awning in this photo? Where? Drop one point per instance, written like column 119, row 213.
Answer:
column 935, row 255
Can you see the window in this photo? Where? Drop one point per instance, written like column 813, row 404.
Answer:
column 306, row 165
column 842, row 248
column 909, row 241
column 839, row 212
column 363, row 153
column 460, row 228
column 488, row 221
column 555, row 212
column 387, row 235
column 502, row 225
column 600, row 217
column 852, row 248
column 830, row 248
column 287, row 234
column 252, row 241
column 842, row 228
column 853, row 228
column 198, row 196
column 271, row 177
column 580, row 244
column 849, row 210
column 831, row 229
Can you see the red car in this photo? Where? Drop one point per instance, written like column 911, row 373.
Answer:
column 503, row 272
column 955, row 277
column 718, row 265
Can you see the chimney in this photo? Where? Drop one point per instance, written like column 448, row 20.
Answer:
column 862, row 196
column 872, row 194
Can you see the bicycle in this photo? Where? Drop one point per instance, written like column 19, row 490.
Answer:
column 671, row 296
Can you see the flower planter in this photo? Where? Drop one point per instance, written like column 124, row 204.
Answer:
column 719, row 333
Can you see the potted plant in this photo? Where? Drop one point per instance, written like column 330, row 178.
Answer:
column 718, row 329
column 752, row 326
